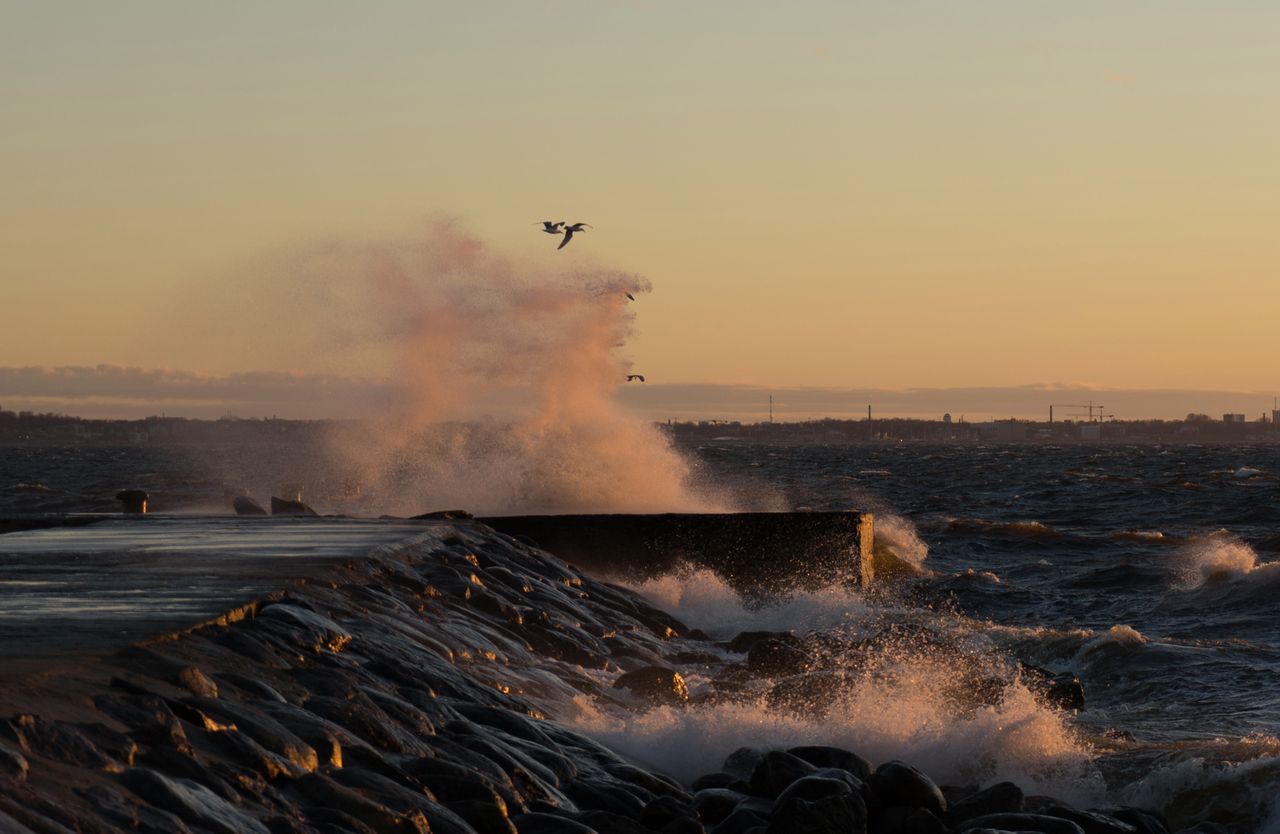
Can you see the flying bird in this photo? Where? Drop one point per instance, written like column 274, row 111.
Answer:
column 551, row 228
column 633, row 377
column 630, row 297
column 568, row 233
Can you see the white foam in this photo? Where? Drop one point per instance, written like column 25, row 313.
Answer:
column 703, row 600
column 1216, row 557
column 904, row 714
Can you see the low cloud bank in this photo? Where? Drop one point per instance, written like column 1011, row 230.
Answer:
column 122, row 392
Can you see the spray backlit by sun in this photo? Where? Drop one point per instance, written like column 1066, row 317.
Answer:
column 510, row 372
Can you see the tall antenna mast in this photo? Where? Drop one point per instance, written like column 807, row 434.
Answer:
column 771, row 408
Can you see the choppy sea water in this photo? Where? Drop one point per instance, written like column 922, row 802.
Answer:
column 1147, row 571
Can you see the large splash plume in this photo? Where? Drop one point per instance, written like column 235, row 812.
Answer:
column 509, row 371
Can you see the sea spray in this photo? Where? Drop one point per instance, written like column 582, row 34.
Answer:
column 505, row 376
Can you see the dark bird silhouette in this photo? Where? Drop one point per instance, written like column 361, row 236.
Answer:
column 633, row 377
column 568, row 233
column 551, row 228
column 630, row 297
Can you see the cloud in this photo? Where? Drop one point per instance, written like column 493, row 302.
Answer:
column 114, row 391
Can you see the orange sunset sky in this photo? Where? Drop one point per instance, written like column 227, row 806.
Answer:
column 823, row 194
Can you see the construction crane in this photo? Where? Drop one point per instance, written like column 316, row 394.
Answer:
column 1095, row 411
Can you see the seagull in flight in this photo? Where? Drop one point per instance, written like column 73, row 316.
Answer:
column 568, row 233
column 633, row 377
column 551, row 228
column 630, row 297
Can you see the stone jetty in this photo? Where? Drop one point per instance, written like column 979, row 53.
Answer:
column 423, row 687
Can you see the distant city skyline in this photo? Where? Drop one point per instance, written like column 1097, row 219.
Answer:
column 115, row 392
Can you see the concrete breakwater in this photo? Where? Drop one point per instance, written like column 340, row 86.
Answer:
column 423, row 688
column 752, row 551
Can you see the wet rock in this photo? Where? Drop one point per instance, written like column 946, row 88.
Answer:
column 70, row 744
column 896, row 783
column 901, row 820
column 191, row 802
column 742, row 762
column 1022, row 822
column 196, row 682
column 114, row 809
column 327, row 793
column 247, row 753
column 772, row 658
column 1063, row 690
column 133, row 500
column 596, row 794
column 715, row 804
column 481, row 817
column 148, row 717
column 816, row 805
column 263, row 729
column 714, row 780
column 657, row 684
column 281, row 506
column 12, row 763
column 452, row 779
column 244, row 505
column 664, row 810
column 744, row 640
column 1092, row 822
column 1002, row 797
column 306, row 629
column 1146, row 822
column 550, row 824
column 654, row 783
column 1205, row 828
column 776, row 771
column 608, row 823
column 822, row 756
column 811, row 694
column 741, row 821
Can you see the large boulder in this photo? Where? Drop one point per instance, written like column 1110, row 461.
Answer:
column 817, row 805
column 776, row 771
column 281, row 506
column 897, row 783
column 657, row 684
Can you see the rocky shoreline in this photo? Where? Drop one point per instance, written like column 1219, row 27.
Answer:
column 422, row 688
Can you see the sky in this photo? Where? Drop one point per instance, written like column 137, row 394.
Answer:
column 825, row 195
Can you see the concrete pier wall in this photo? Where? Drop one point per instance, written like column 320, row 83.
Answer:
column 752, row 551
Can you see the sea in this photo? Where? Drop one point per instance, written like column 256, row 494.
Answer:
column 1149, row 572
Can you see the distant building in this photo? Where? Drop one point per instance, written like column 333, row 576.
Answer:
column 1275, row 417
column 1233, row 418
column 946, row 418
column 1090, row 431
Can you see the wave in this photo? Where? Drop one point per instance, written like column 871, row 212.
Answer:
column 1218, row 558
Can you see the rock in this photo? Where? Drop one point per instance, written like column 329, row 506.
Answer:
column 327, row 793
column 113, row 808
column 772, row 657
column 595, row 794
column 1146, row 822
column 1092, row 822
column 191, row 802
column 1063, row 690
column 741, row 821
column 67, row 743
column 1002, row 797
column 895, row 783
column 714, row 804
column 816, row 805
column 244, row 505
column 1022, row 822
column 480, row 816
column 281, row 506
column 714, row 780
column 657, row 684
column 822, row 756
column 550, row 824
column 306, row 629
column 743, row 642
column 442, row 515
column 660, row 812
column 898, row 819
column 1206, row 828
column 148, row 717
column 12, row 763
column 134, row 500
column 776, row 771
column 193, row 680
column 742, row 762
